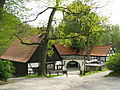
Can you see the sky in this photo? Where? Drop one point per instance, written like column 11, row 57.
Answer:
column 115, row 12
column 108, row 8
column 111, row 10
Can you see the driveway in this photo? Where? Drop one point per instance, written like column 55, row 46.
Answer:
column 72, row 82
column 99, row 82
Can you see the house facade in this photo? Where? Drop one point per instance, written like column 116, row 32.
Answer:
column 73, row 59
column 26, row 58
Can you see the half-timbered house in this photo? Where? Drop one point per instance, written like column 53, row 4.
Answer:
column 26, row 58
column 73, row 59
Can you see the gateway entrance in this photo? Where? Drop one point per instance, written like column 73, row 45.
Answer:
column 73, row 64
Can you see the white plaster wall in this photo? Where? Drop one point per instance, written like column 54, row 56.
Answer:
column 33, row 65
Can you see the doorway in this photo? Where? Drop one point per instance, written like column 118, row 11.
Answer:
column 72, row 64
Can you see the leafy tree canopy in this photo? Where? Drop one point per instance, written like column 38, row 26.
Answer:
column 111, row 36
column 84, row 21
column 10, row 13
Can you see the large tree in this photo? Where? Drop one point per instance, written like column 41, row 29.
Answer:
column 85, row 26
column 83, row 22
column 47, row 34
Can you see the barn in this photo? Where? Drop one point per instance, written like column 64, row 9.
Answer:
column 26, row 58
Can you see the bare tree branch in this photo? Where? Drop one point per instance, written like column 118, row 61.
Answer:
column 51, row 19
column 25, row 43
column 66, row 9
column 38, row 15
column 55, row 22
column 99, row 7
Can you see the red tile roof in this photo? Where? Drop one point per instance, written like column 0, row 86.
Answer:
column 96, row 50
column 82, row 52
column 100, row 50
column 65, row 50
column 19, row 52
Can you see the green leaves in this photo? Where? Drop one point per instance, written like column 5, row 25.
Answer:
column 112, row 35
column 6, row 69
column 83, row 21
column 8, row 25
column 15, row 7
column 114, row 63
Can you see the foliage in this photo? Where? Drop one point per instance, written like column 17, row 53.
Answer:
column 111, row 36
column 12, row 8
column 8, row 26
column 6, row 69
column 11, row 25
column 79, row 19
column 16, row 7
column 33, row 76
column 84, row 21
column 10, row 14
column 114, row 63
column 113, row 74
column 50, row 76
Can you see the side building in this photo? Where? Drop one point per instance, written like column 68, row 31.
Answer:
column 73, row 59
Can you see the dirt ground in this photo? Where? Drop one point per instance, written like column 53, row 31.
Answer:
column 72, row 82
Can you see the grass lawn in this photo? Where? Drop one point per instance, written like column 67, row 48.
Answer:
column 92, row 72
column 33, row 76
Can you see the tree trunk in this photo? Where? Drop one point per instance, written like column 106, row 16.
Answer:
column 87, row 49
column 44, row 46
column 2, row 2
column 43, row 57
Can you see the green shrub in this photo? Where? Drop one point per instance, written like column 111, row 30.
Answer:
column 114, row 63
column 113, row 74
column 6, row 69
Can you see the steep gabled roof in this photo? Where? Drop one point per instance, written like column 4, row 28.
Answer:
column 20, row 52
column 65, row 50
column 95, row 51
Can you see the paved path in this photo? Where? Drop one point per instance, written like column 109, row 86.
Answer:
column 99, row 82
column 72, row 82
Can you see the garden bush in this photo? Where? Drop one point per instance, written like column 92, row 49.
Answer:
column 6, row 69
column 114, row 63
